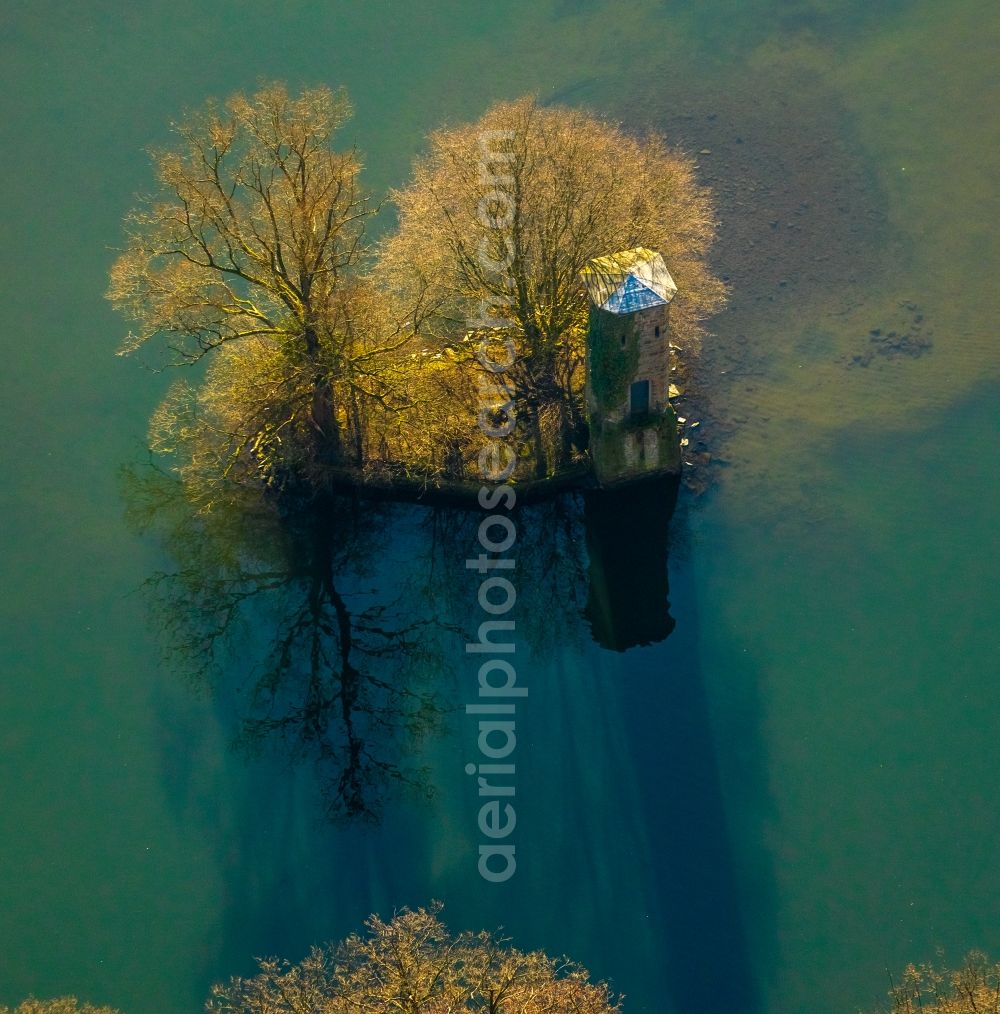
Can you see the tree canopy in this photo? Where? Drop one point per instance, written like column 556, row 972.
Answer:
column 61, row 1005
column 328, row 353
column 257, row 223
column 413, row 964
column 972, row 988
column 502, row 215
column 251, row 249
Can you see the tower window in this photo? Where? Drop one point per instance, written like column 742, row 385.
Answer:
column 623, row 341
column 657, row 330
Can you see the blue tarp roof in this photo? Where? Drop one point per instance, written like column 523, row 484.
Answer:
column 632, row 296
column 628, row 281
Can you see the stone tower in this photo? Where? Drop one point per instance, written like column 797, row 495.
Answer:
column 633, row 430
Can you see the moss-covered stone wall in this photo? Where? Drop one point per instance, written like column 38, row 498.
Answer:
column 612, row 360
column 622, row 452
column 622, row 349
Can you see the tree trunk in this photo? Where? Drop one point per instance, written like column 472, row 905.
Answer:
column 328, row 438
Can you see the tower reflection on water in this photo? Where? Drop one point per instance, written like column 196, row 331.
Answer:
column 627, row 536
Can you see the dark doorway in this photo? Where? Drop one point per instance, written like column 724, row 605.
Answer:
column 638, row 398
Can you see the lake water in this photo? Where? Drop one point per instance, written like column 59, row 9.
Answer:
column 764, row 811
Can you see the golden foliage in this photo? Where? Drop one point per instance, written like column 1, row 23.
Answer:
column 413, row 964
column 62, row 1005
column 573, row 187
column 503, row 214
column 974, row 988
column 257, row 219
column 254, row 250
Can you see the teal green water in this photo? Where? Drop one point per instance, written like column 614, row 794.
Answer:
column 794, row 791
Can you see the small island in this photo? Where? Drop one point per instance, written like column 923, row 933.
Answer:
column 517, row 324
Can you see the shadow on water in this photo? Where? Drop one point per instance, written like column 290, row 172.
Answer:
column 708, row 967
column 331, row 636
column 326, row 627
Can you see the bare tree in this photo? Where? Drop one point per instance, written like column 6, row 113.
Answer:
column 501, row 216
column 412, row 964
column 254, row 250
column 973, row 988
column 62, row 1005
column 253, row 246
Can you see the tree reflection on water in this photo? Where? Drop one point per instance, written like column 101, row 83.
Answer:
column 330, row 671
column 337, row 623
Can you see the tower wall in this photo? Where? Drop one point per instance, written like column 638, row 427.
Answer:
column 623, row 349
column 654, row 353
